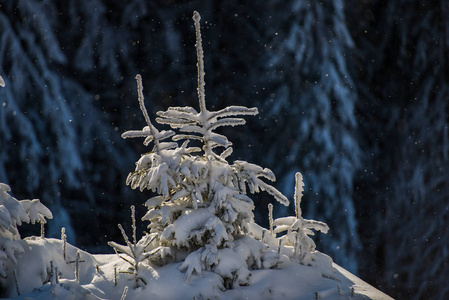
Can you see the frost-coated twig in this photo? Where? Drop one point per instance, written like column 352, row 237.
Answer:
column 77, row 267
column 133, row 224
column 54, row 279
column 52, row 273
column 295, row 247
column 299, row 189
column 144, row 109
column 141, row 99
column 270, row 217
column 330, row 292
column 64, row 243
column 77, row 262
column 125, row 290
column 56, row 275
column 153, row 131
column 16, row 282
column 42, row 229
column 200, row 64
column 125, row 237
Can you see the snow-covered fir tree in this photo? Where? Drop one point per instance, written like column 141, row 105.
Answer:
column 202, row 214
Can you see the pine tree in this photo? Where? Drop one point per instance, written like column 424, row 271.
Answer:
column 202, row 214
column 54, row 136
column 405, row 128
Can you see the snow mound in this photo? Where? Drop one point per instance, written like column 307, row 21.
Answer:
column 99, row 278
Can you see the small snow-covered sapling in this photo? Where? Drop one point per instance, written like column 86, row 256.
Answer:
column 192, row 178
column 299, row 229
column 135, row 250
column 77, row 262
column 202, row 210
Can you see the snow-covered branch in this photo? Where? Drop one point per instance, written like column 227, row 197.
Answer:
column 12, row 213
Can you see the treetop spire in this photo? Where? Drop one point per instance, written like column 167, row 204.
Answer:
column 200, row 63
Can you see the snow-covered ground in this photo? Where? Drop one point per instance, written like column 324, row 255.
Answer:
column 99, row 277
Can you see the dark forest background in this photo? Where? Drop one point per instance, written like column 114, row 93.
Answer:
column 354, row 94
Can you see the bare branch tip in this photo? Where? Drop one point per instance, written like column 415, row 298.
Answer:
column 196, row 16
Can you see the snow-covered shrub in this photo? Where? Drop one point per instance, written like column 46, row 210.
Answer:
column 136, row 251
column 202, row 214
column 299, row 229
column 12, row 213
